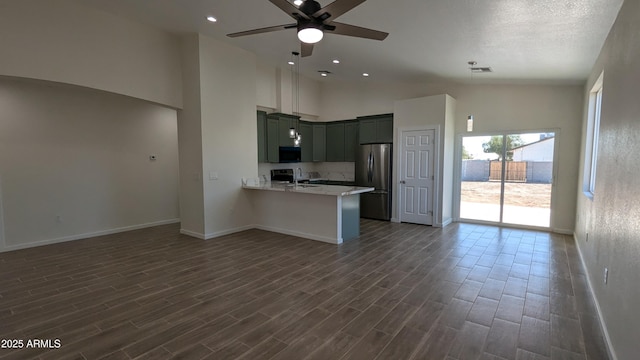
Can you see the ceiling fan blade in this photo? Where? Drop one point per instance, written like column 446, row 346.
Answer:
column 289, row 8
column 263, row 30
column 357, row 31
column 306, row 49
column 336, row 9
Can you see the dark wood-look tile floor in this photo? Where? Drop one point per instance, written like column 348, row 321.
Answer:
column 400, row 291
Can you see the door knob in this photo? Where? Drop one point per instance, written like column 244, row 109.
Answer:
column 402, row 182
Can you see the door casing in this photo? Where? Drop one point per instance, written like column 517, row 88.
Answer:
column 458, row 164
column 437, row 161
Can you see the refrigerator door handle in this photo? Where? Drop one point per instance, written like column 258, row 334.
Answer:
column 369, row 168
column 373, row 165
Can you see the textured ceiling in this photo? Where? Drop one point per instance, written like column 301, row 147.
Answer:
column 523, row 41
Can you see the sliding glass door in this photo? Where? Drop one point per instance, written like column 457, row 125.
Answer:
column 507, row 178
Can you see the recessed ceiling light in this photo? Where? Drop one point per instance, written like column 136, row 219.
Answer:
column 336, row 61
column 297, row 2
column 324, row 72
column 365, row 74
column 212, row 19
column 291, row 63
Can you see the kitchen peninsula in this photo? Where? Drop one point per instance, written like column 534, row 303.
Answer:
column 326, row 213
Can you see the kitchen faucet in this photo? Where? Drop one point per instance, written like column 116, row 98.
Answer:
column 298, row 175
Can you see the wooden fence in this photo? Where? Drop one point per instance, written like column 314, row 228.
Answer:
column 515, row 171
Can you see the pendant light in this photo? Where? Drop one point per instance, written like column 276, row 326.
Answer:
column 295, row 97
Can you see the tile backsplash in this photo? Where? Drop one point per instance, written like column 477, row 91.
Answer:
column 339, row 171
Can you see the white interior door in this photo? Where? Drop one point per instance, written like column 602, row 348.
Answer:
column 416, row 177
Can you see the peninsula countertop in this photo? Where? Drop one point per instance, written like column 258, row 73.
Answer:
column 332, row 190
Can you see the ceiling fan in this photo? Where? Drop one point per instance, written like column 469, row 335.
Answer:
column 312, row 21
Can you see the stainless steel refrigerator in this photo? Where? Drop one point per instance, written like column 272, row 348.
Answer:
column 373, row 169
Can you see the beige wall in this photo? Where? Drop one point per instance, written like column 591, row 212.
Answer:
column 217, row 129
column 274, row 91
column 229, row 148
column 434, row 112
column 74, row 162
column 64, row 41
column 495, row 108
column 611, row 218
column 190, row 141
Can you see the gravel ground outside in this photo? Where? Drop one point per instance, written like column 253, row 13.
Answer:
column 517, row 194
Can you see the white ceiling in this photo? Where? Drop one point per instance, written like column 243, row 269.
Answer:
column 523, row 41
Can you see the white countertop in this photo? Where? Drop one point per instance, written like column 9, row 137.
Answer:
column 333, row 190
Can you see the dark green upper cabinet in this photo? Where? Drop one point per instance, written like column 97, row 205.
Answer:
column 367, row 131
column 283, row 132
column 285, row 122
column 306, row 146
column 350, row 140
column 384, row 130
column 262, row 137
column 335, row 141
column 273, row 154
column 342, row 140
column 319, row 142
column 376, row 129
column 278, row 134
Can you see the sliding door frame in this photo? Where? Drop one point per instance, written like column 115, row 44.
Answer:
column 457, row 176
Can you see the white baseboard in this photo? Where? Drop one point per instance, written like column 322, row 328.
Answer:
column 299, row 234
column 217, row 234
column 88, row 235
column 444, row 223
column 194, row 234
column 563, row 231
column 227, row 232
column 395, row 220
column 603, row 326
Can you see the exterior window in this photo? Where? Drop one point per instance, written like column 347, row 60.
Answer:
column 593, row 130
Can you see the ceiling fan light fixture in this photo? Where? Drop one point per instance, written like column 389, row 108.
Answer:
column 310, row 34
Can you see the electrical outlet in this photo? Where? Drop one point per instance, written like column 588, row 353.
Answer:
column 606, row 275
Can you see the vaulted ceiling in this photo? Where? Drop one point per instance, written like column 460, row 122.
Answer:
column 523, row 41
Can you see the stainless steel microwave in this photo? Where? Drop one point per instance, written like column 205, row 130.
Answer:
column 290, row 154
